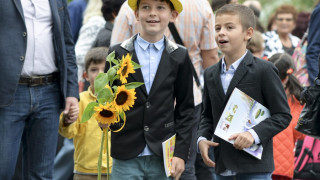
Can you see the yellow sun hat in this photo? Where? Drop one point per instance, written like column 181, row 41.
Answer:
column 176, row 4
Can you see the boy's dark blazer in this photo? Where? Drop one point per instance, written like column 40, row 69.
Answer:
column 259, row 79
column 168, row 108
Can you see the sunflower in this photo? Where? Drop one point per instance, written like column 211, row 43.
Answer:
column 106, row 114
column 126, row 67
column 124, row 98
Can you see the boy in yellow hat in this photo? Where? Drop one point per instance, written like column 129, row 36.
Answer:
column 164, row 104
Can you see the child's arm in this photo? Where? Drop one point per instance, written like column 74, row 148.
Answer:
column 273, row 96
column 183, row 112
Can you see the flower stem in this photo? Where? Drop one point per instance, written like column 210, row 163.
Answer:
column 100, row 155
column 107, row 134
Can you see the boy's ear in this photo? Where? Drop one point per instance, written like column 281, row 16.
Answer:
column 174, row 15
column 85, row 76
column 136, row 13
column 249, row 33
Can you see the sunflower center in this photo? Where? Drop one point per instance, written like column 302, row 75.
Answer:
column 121, row 98
column 106, row 113
column 124, row 70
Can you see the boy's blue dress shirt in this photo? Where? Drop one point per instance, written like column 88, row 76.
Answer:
column 149, row 55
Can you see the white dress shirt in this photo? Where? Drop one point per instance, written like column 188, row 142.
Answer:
column 40, row 57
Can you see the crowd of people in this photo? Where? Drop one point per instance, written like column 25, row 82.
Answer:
column 193, row 54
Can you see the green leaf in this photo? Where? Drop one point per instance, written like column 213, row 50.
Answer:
column 136, row 65
column 100, row 82
column 116, row 77
column 111, row 56
column 133, row 85
column 105, row 95
column 88, row 112
column 111, row 73
column 116, row 62
column 122, row 115
column 114, row 88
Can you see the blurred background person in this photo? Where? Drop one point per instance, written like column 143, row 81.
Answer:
column 93, row 22
column 255, row 45
column 281, row 40
column 299, row 54
column 110, row 9
column 271, row 25
column 284, row 142
column 76, row 9
column 313, row 48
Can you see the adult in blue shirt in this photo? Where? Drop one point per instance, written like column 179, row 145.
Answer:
column 313, row 48
column 76, row 9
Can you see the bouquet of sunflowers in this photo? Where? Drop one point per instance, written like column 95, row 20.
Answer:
column 114, row 97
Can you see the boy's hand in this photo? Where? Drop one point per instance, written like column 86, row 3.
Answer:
column 204, row 146
column 242, row 140
column 71, row 102
column 177, row 167
column 71, row 116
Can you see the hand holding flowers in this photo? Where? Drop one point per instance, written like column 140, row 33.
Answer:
column 114, row 96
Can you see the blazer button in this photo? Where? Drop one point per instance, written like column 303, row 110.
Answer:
column 21, row 58
column 148, row 105
column 146, row 128
column 24, row 34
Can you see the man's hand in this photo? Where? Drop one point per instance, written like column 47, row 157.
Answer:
column 71, row 102
column 242, row 140
column 204, row 146
column 177, row 167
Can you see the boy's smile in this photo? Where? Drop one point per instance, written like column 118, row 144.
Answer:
column 154, row 17
column 230, row 36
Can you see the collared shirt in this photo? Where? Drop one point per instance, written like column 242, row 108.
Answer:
column 40, row 58
column 149, row 55
column 195, row 25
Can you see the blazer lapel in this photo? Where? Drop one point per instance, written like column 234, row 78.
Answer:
column 217, row 80
column 163, row 71
column 240, row 72
column 19, row 7
column 128, row 46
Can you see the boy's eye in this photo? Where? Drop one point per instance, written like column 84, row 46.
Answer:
column 217, row 28
column 161, row 7
column 145, row 7
column 229, row 27
column 93, row 70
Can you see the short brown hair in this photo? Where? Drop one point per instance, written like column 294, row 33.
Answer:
column 246, row 15
column 95, row 55
column 287, row 9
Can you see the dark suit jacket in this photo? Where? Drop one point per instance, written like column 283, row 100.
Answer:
column 155, row 117
column 13, row 46
column 259, row 79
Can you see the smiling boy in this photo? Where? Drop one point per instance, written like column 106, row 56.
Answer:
column 164, row 105
column 257, row 78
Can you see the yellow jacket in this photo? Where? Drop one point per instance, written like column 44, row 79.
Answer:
column 86, row 139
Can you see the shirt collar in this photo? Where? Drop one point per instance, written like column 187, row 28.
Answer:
column 233, row 66
column 144, row 44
